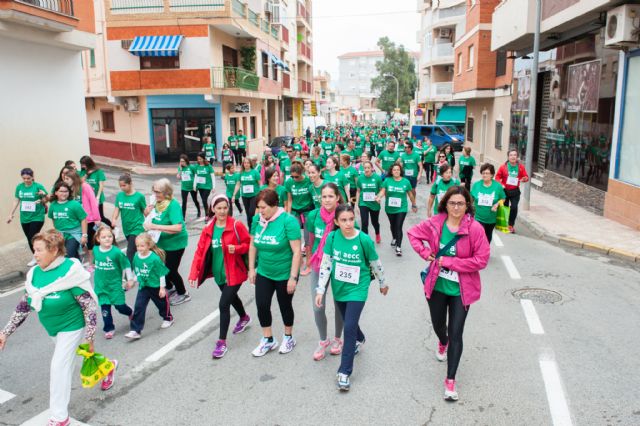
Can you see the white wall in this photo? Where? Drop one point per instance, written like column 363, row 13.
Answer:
column 120, row 59
column 194, row 53
column 43, row 117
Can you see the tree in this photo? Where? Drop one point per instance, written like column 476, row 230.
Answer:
column 400, row 64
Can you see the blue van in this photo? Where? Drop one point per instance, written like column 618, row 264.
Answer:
column 439, row 134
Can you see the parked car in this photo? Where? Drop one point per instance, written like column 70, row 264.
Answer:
column 279, row 142
column 439, row 134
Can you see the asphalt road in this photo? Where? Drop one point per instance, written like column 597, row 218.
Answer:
column 579, row 368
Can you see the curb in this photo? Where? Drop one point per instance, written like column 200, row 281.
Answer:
column 148, row 171
column 542, row 234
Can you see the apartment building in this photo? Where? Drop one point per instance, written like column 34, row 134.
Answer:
column 170, row 74
column 442, row 22
column 325, row 97
column 482, row 80
column 41, row 103
column 585, row 144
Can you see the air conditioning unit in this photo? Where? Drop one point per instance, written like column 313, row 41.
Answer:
column 445, row 33
column 131, row 105
column 620, row 29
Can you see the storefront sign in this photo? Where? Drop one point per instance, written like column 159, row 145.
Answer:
column 583, row 87
column 241, row 107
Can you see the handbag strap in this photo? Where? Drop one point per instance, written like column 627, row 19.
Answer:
column 447, row 246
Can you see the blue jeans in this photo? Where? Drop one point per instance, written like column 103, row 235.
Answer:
column 145, row 294
column 73, row 248
column 351, row 312
column 108, row 318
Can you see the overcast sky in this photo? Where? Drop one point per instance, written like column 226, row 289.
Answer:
column 341, row 26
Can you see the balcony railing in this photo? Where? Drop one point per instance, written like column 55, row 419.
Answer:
column 238, row 7
column 304, row 50
column 304, row 86
column 234, row 78
column 196, row 5
column 442, row 50
column 286, row 81
column 64, row 7
column 274, row 32
column 285, row 34
column 303, row 13
column 442, row 89
column 450, row 12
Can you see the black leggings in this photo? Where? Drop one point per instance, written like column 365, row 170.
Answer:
column 428, row 171
column 249, row 208
column 204, row 196
column 512, row 200
column 131, row 247
column 466, row 181
column 265, row 288
column 375, row 219
column 352, row 196
column 396, row 220
column 103, row 219
column 185, row 198
column 173, row 278
column 439, row 303
column 238, row 205
column 488, row 230
column 229, row 298
column 30, row 229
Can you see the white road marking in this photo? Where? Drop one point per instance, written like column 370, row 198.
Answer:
column 511, row 268
column 43, row 418
column 535, row 326
column 5, row 396
column 497, row 240
column 12, row 291
column 181, row 338
column 555, row 395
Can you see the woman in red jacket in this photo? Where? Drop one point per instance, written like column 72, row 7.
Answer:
column 510, row 174
column 219, row 254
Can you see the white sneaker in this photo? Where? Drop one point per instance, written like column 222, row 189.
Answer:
column 264, row 347
column 32, row 262
column 166, row 324
column 133, row 335
column 288, row 343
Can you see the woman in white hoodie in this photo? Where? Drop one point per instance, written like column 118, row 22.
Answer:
column 59, row 290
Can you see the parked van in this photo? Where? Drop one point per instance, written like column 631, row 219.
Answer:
column 439, row 134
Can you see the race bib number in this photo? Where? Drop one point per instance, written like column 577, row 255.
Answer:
column 28, row 206
column 200, row 180
column 513, row 180
column 448, row 274
column 409, row 172
column 186, row 176
column 485, row 200
column 347, row 273
column 247, row 189
column 395, row 202
column 369, row 196
column 226, row 158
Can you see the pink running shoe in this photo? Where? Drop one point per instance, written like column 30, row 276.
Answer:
column 378, row 238
column 242, row 324
column 441, row 351
column 107, row 383
column 220, row 350
column 336, row 346
column 321, row 350
column 65, row 422
column 450, row 393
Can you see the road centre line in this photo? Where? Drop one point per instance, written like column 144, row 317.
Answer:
column 5, row 396
column 511, row 268
column 533, row 320
column 497, row 240
column 555, row 395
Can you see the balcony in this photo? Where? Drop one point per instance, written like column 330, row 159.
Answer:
column 304, row 51
column 304, row 87
column 286, row 81
column 448, row 17
column 285, row 36
column 50, row 15
column 438, row 54
column 442, row 91
column 302, row 15
column 513, row 25
column 64, row 7
column 234, row 78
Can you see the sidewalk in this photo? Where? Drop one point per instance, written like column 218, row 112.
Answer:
column 559, row 221
column 145, row 169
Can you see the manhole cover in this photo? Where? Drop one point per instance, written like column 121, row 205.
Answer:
column 538, row 295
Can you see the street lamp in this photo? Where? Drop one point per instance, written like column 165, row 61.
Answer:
column 388, row 75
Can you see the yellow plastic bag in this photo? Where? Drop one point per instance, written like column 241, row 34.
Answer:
column 95, row 366
column 502, row 219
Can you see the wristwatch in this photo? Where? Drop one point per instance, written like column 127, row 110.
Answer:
column 85, row 235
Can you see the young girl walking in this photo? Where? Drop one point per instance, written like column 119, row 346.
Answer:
column 149, row 269
column 348, row 258
column 110, row 265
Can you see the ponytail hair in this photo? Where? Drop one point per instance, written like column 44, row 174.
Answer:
column 146, row 238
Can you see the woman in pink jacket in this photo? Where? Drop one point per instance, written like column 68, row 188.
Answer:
column 83, row 193
column 457, row 249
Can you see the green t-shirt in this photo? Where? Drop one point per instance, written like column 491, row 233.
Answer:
column 273, row 247
column 132, row 212
column 387, row 159
column 107, row 278
column 440, row 188
column 172, row 216
column 316, row 194
column 66, row 216
column 410, row 163
column 319, row 161
column 285, row 167
column 233, row 142
column 149, row 270
column 249, row 183
column 218, row 256
column 31, row 208
column 186, row 177
column 94, row 179
column 230, row 179
column 369, row 188
column 447, row 281
column 209, row 150
column 339, row 180
column 350, row 174
column 60, row 310
column 226, row 155
column 242, row 141
column 327, row 148
column 350, row 276
column 429, row 154
column 301, row 198
column 395, row 200
column 203, row 176
column 484, row 198
column 466, row 165
column 316, row 226
column 280, row 190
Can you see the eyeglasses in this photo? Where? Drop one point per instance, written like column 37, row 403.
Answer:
column 455, row 205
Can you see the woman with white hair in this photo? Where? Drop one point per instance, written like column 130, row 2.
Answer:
column 165, row 224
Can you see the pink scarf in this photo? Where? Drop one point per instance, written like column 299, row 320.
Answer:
column 327, row 218
column 265, row 222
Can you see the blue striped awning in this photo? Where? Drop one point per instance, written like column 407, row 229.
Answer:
column 156, row 45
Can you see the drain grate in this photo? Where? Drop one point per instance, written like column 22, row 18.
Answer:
column 538, row 295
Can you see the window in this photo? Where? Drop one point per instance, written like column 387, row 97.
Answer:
column 627, row 169
column 459, row 63
column 92, row 58
column 252, row 127
column 498, row 134
column 233, row 125
column 471, row 57
column 159, row 62
column 108, row 124
column 265, row 65
column 470, row 129
column 274, row 68
column 501, row 63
